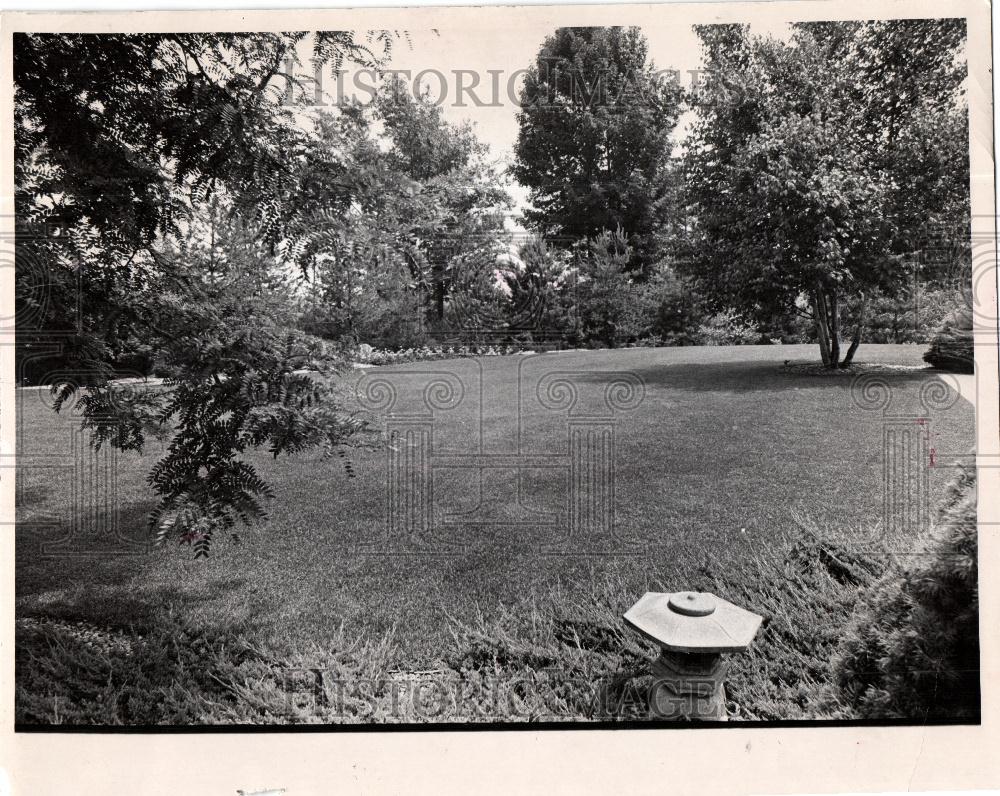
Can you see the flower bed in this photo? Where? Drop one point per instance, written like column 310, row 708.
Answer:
column 366, row 355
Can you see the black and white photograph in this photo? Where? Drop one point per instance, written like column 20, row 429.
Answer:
column 472, row 376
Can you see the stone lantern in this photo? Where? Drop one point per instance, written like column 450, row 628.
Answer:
column 694, row 630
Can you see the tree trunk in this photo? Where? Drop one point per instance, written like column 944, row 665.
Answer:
column 834, row 323
column 827, row 313
column 439, row 291
column 822, row 326
column 858, row 331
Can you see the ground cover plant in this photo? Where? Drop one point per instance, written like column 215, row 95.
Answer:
column 551, row 658
column 735, row 474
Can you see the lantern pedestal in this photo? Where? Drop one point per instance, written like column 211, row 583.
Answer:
column 694, row 630
column 688, row 686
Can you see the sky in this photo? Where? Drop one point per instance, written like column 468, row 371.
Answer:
column 508, row 52
column 495, row 59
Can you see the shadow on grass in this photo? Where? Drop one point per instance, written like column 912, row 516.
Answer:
column 748, row 377
column 51, row 537
column 84, row 580
column 138, row 612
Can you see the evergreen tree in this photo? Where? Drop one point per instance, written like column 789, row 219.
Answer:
column 594, row 139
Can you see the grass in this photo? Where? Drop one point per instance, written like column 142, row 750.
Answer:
column 721, row 472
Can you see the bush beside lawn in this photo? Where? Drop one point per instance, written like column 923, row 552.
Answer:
column 951, row 346
column 912, row 651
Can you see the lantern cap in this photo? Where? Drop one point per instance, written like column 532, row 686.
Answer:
column 688, row 621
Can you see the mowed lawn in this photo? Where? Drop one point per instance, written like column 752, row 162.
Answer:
column 714, row 464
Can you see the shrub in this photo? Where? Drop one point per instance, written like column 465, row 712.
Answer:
column 908, row 318
column 672, row 308
column 913, row 651
column 952, row 345
column 606, row 300
column 727, row 328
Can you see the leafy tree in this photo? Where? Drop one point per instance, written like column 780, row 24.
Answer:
column 418, row 198
column 108, row 126
column 789, row 188
column 912, row 116
column 594, row 137
column 424, row 146
column 237, row 376
column 120, row 139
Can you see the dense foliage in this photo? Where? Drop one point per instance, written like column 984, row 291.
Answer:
column 913, row 650
column 393, row 223
column 953, row 345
